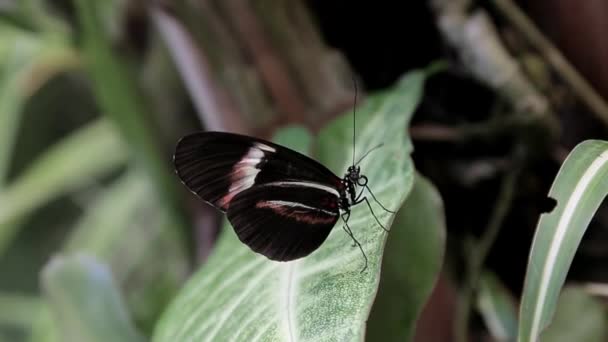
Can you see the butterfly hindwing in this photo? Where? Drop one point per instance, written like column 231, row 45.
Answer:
column 217, row 166
column 284, row 220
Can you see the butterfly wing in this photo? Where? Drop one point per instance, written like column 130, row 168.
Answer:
column 284, row 220
column 217, row 166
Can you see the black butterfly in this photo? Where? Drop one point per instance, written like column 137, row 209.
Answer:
column 281, row 203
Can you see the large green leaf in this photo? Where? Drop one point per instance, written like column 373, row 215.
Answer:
column 243, row 296
column 579, row 188
column 412, row 260
column 85, row 301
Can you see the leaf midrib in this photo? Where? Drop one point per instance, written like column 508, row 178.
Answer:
column 287, row 289
column 564, row 220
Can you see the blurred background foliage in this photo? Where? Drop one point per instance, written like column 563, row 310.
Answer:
column 94, row 95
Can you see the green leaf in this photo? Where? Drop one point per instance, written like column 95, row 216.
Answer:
column 109, row 217
column 34, row 16
column 497, row 308
column 119, row 97
column 411, row 264
column 43, row 327
column 579, row 317
column 76, row 161
column 243, row 296
column 18, row 309
column 579, row 188
column 124, row 228
column 85, row 301
column 27, row 60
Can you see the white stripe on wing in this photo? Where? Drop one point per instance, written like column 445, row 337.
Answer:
column 326, row 188
column 244, row 172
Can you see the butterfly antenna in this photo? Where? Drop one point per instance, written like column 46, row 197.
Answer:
column 354, row 116
column 368, row 152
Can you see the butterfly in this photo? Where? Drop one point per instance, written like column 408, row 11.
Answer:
column 281, row 203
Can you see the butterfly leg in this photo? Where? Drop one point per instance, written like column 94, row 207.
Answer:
column 352, row 236
column 361, row 199
column 374, row 215
column 362, row 182
column 375, row 199
column 345, row 218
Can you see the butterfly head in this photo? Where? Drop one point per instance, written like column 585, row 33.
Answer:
column 353, row 173
column 354, row 177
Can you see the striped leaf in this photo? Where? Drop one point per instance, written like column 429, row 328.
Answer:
column 579, row 188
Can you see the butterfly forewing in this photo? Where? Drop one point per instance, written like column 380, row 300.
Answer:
column 217, row 166
column 284, row 220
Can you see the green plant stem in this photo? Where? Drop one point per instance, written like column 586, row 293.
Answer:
column 120, row 99
column 476, row 258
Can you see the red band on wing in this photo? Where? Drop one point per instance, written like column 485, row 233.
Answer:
column 299, row 212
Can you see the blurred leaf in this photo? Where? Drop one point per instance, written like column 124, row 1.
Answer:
column 119, row 97
column 124, row 228
column 34, row 15
column 121, row 226
column 27, row 60
column 85, row 301
column 243, row 296
column 97, row 232
column 296, row 136
column 72, row 163
column 497, row 308
column 579, row 188
column 5, row 336
column 579, row 317
column 109, row 217
column 18, row 309
column 410, row 266
column 43, row 326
